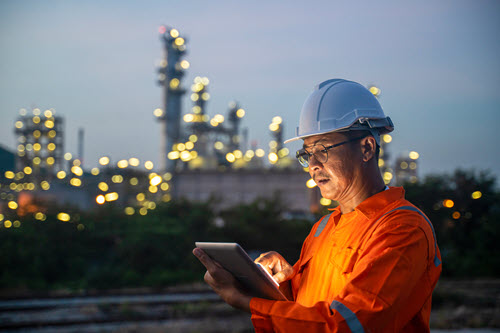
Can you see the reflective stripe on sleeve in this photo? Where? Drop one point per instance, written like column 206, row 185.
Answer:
column 349, row 316
column 322, row 225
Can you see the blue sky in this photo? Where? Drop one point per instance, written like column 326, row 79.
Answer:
column 437, row 64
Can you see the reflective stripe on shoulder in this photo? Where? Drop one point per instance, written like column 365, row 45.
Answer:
column 322, row 225
column 437, row 262
column 349, row 316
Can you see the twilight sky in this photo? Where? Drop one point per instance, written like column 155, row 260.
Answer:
column 436, row 62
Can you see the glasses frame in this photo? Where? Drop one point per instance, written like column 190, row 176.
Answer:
column 302, row 153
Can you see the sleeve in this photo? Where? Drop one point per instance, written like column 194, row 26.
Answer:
column 379, row 288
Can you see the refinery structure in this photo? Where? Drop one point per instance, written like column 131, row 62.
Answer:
column 202, row 157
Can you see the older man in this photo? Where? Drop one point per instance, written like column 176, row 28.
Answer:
column 369, row 266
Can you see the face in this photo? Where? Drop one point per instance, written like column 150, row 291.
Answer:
column 337, row 176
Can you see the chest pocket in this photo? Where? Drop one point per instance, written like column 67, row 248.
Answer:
column 344, row 259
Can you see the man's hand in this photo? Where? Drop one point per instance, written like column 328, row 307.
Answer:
column 276, row 265
column 223, row 282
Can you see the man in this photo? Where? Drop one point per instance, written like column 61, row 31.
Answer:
column 369, row 266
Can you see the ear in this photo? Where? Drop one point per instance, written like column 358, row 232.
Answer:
column 368, row 148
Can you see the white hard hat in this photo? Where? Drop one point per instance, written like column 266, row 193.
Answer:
column 339, row 105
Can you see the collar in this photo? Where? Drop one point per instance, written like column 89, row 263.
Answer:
column 373, row 205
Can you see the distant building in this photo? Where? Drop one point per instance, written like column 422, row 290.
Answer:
column 406, row 168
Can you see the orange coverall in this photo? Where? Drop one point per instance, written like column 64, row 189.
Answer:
column 370, row 270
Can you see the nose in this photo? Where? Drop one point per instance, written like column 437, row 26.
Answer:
column 314, row 164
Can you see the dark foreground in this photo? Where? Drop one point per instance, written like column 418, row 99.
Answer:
column 457, row 305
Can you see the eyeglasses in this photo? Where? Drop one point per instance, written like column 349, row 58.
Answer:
column 321, row 155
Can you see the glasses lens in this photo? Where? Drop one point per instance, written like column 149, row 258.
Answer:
column 321, row 154
column 303, row 157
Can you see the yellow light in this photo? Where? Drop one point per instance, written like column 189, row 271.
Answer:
column 134, row 161
column 104, row 160
column 47, row 113
column 37, row 134
column 413, row 165
column 193, row 138
column 77, row 162
column 240, row 113
column 185, row 156
column 20, row 148
column 12, row 205
column 1, row 217
column 249, row 154
column 387, row 175
column 237, row 153
column 273, row 158
column 94, row 171
column 205, row 96
column 414, row 155
column 143, row 211
column 277, row 120
column 52, row 134
column 7, row 224
column 455, row 215
column 158, row 112
column 179, row 41
column 39, row 216
column 476, row 195
column 325, row 201
column 61, row 174
column 174, row 33
column 174, row 83
column 167, row 176
column 117, row 179
column 129, row 211
column 36, row 111
column 448, row 203
column 27, row 170
column 77, row 170
column 134, row 181
column 387, row 138
column 100, row 199
column 65, row 217
column 274, row 127
column 148, row 165
column 80, row 227
column 36, row 119
column 75, row 182
column 164, row 186
column 374, row 90
column 22, row 112
column 50, row 160
column 122, row 164
column 230, row 157
column 16, row 224
column 173, row 155
column 166, row 198
column 273, row 144
column 184, row 64
column 19, row 124
column 153, row 189
column 219, row 118
column 260, row 152
column 311, row 183
column 103, row 186
column 181, row 147
column 404, row 165
column 155, row 181
column 49, row 124
column 189, row 145
column 68, row 156
column 140, row 197
column 218, row 145
column 188, row 118
column 9, row 174
column 112, row 196
column 151, row 205
column 45, row 185
column 37, row 147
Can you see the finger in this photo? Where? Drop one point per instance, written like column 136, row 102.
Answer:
column 205, row 259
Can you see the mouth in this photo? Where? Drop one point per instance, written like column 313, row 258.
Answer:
column 321, row 181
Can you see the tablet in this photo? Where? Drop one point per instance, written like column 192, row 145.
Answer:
column 252, row 276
